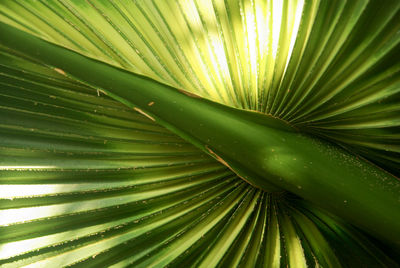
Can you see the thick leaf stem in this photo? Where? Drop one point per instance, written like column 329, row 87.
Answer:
column 263, row 150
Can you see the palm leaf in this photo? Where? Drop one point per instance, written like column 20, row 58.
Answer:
column 87, row 181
